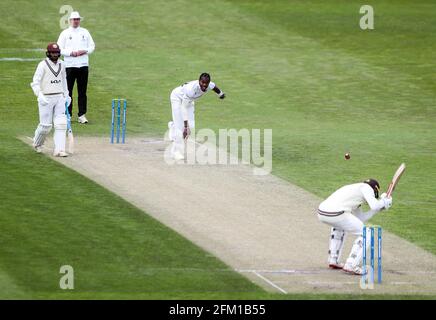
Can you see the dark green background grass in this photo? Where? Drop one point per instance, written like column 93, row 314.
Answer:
column 304, row 69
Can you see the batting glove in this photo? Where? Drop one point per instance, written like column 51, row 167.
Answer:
column 68, row 100
column 387, row 202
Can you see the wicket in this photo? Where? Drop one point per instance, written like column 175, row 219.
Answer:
column 372, row 253
column 118, row 124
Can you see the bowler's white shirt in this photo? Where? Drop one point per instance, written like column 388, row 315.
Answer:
column 350, row 197
column 74, row 39
column 191, row 90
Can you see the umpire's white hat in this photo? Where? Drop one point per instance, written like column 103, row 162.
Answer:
column 75, row 15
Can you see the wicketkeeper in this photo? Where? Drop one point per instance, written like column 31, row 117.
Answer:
column 50, row 86
column 342, row 210
column 183, row 107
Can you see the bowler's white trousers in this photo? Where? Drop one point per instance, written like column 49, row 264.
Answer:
column 178, row 122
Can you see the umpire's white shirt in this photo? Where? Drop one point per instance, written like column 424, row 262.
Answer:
column 74, row 39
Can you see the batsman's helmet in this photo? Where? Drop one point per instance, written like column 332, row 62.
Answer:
column 53, row 51
column 374, row 185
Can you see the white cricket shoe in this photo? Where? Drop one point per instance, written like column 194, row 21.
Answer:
column 178, row 156
column 38, row 149
column 82, row 119
column 357, row 271
column 60, row 154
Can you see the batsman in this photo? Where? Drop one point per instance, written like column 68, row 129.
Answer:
column 342, row 211
column 50, row 87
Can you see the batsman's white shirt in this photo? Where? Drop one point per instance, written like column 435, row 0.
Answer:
column 349, row 198
column 50, row 78
column 342, row 209
column 74, row 39
column 190, row 91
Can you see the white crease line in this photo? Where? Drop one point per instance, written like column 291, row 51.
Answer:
column 335, row 283
column 298, row 272
column 270, row 282
column 338, row 284
column 287, row 271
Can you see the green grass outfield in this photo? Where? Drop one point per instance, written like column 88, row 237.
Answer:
column 304, row 69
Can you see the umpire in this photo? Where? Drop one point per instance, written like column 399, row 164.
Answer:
column 76, row 44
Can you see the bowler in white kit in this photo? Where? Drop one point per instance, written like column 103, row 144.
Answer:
column 342, row 210
column 50, row 86
column 183, row 110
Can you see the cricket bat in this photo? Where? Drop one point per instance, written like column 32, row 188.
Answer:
column 69, row 131
column 186, row 148
column 395, row 179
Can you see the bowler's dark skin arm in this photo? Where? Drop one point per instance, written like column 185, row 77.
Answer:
column 218, row 91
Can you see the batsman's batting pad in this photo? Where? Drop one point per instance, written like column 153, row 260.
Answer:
column 41, row 133
column 355, row 257
column 60, row 122
column 337, row 238
column 60, row 125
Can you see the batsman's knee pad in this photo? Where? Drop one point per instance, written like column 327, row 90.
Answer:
column 44, row 128
column 60, row 122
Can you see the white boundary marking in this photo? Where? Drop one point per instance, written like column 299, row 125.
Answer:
column 20, row 59
column 23, row 49
column 270, row 282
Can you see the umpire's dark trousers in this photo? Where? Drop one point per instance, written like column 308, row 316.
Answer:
column 81, row 75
